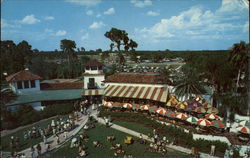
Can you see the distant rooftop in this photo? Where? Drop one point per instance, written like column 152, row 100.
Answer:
column 22, row 75
column 151, row 78
column 94, row 63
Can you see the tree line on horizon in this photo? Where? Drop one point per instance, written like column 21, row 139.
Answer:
column 224, row 71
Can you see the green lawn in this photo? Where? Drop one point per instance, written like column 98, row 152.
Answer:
column 5, row 141
column 139, row 128
column 100, row 133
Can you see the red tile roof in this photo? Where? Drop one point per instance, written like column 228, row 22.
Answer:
column 61, row 86
column 136, row 78
column 22, row 76
column 94, row 63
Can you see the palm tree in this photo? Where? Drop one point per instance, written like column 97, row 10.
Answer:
column 188, row 88
column 238, row 57
column 68, row 47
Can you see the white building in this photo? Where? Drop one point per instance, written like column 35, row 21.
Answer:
column 93, row 80
column 24, row 81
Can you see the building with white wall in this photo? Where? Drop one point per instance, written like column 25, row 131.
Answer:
column 93, row 80
column 24, row 81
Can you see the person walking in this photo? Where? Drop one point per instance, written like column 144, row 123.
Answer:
column 212, row 150
column 32, row 152
column 39, row 149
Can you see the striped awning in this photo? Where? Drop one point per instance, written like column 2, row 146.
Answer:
column 89, row 92
column 140, row 92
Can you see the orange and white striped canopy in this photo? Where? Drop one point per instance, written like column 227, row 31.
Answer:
column 212, row 116
column 89, row 92
column 127, row 105
column 141, row 92
column 181, row 116
column 161, row 111
column 203, row 122
column 145, row 107
column 108, row 104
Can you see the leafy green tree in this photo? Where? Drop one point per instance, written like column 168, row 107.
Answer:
column 14, row 57
column 120, row 37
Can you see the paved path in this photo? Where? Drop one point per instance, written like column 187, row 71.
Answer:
column 136, row 134
column 52, row 140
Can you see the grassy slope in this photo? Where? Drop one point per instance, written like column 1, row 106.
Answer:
column 100, row 133
column 5, row 141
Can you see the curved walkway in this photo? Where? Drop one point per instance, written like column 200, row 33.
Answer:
column 8, row 132
column 52, row 140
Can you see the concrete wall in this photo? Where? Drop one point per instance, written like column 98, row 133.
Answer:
column 98, row 81
column 36, row 105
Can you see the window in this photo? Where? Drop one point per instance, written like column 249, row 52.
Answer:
column 100, row 67
column 26, row 84
column 87, row 67
column 19, row 85
column 93, row 67
column 32, row 83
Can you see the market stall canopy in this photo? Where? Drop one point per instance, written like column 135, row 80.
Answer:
column 203, row 122
column 212, row 116
column 152, row 93
column 218, row 124
column 191, row 119
column 89, row 92
column 245, row 123
column 127, row 105
column 243, row 129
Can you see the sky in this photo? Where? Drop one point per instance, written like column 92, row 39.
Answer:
column 153, row 24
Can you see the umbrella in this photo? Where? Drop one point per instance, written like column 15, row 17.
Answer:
column 136, row 106
column 145, row 107
column 243, row 129
column 200, row 110
column 206, row 105
column 181, row 106
column 212, row 116
column 245, row 123
column 161, row 111
column 169, row 103
column 127, row 105
column 191, row 119
column 218, row 124
column 212, row 110
column 117, row 105
column 203, row 122
column 198, row 98
column 181, row 116
column 108, row 104
column 153, row 109
column 170, row 114
column 191, row 108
